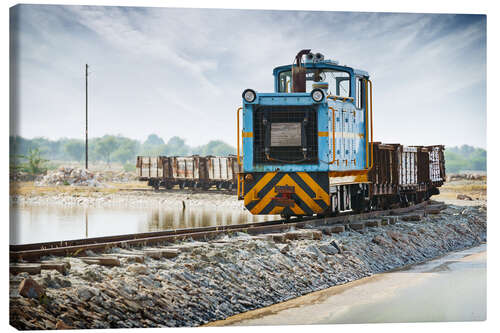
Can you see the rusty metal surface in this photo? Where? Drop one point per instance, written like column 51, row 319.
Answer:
column 423, row 165
column 298, row 79
column 149, row 166
column 185, row 168
column 399, row 168
column 384, row 175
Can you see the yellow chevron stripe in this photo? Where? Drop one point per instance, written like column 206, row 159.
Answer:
column 307, row 199
column 315, row 187
column 267, row 198
column 252, row 194
column 297, row 210
column 287, row 180
column 322, row 133
column 276, row 210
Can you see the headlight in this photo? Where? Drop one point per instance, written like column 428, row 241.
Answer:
column 249, row 95
column 317, row 95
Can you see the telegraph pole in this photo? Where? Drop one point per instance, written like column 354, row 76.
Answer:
column 86, row 117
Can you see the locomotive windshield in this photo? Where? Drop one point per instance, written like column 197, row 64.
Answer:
column 338, row 81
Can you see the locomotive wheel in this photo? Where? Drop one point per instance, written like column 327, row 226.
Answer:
column 155, row 184
column 286, row 217
column 358, row 203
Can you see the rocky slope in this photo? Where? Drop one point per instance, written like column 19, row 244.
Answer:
column 213, row 280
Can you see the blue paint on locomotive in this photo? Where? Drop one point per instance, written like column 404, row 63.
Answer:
column 350, row 126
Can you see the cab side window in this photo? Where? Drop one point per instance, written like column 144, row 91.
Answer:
column 360, row 93
column 285, row 82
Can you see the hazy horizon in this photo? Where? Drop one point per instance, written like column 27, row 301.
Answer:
column 166, row 139
column 180, row 72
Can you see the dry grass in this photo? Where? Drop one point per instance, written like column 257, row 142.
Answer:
column 465, row 188
column 29, row 189
column 476, row 189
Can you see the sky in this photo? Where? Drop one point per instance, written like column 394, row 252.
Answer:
column 181, row 72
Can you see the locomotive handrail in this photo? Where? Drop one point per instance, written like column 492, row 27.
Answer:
column 366, row 81
column 371, row 124
column 333, row 135
column 238, row 149
column 240, row 186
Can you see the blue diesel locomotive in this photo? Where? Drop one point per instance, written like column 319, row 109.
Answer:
column 308, row 148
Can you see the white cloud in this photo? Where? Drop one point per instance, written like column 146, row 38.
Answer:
column 181, row 71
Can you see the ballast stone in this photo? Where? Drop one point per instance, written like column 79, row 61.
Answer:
column 357, row 225
column 138, row 269
column 29, row 288
column 373, row 223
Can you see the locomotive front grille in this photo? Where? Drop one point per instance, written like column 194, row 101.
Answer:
column 285, row 135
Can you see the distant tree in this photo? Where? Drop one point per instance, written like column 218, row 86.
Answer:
column 74, row 149
column 19, row 145
column 465, row 158
column 153, row 150
column 105, row 147
column 35, row 163
column 126, row 151
column 153, row 140
column 466, row 150
column 218, row 148
column 177, row 146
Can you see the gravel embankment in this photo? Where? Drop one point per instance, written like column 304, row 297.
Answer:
column 213, row 280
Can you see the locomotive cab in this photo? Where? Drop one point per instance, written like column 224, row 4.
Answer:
column 306, row 145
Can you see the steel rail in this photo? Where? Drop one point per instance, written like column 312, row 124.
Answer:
column 78, row 246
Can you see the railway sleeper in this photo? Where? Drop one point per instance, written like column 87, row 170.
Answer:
column 36, row 268
column 104, row 261
column 158, row 253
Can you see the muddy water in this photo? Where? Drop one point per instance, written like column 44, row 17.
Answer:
column 452, row 288
column 49, row 223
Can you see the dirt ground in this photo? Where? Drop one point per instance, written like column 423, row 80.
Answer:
column 30, row 189
column 475, row 189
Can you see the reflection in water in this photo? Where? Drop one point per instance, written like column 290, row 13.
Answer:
column 41, row 224
column 86, row 223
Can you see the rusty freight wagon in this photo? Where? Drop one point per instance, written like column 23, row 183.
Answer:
column 405, row 173
column 195, row 172
column 148, row 167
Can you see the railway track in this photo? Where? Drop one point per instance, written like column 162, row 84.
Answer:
column 178, row 190
column 34, row 251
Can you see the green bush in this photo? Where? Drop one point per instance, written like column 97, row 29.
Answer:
column 465, row 158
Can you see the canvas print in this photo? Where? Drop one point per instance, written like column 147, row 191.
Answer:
column 175, row 167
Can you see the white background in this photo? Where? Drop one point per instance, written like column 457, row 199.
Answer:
column 421, row 6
